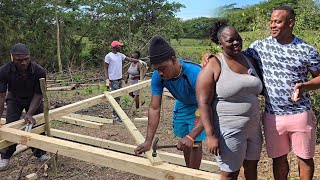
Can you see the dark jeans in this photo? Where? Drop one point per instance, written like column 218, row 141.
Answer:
column 114, row 85
column 14, row 111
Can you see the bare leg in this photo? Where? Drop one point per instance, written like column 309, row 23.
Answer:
column 280, row 168
column 306, row 168
column 250, row 170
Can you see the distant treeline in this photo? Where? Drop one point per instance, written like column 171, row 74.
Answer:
column 86, row 28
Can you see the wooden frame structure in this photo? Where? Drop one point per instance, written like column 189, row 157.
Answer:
column 100, row 151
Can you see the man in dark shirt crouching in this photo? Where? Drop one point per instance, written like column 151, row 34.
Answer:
column 20, row 88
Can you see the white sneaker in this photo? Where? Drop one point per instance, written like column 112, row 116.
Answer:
column 4, row 164
column 44, row 157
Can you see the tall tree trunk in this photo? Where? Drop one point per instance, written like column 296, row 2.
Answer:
column 58, row 38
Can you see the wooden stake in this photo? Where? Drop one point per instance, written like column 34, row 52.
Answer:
column 46, row 119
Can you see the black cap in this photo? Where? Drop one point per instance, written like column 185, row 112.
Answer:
column 19, row 48
column 160, row 50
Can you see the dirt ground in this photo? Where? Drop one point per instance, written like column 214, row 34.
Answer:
column 71, row 169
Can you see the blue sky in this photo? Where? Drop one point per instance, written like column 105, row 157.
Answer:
column 206, row 8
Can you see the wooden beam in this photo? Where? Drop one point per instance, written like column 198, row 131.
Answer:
column 91, row 118
column 61, row 111
column 65, row 110
column 138, row 137
column 129, row 149
column 143, row 119
column 62, row 88
column 80, row 122
column 37, row 130
column 128, row 89
column 120, row 161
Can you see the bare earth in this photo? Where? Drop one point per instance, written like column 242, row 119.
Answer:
column 72, row 169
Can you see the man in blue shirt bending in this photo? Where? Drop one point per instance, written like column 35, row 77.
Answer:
column 179, row 77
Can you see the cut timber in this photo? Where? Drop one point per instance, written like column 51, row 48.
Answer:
column 129, row 149
column 61, row 111
column 120, row 161
column 80, row 122
column 91, row 118
column 141, row 119
column 128, row 89
column 37, row 130
column 63, row 88
column 32, row 176
column 65, row 110
column 132, row 128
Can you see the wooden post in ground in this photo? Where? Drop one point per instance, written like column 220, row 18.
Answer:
column 46, row 119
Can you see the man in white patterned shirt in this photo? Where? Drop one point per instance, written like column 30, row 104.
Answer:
column 285, row 61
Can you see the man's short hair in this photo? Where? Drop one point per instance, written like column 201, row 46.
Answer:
column 288, row 9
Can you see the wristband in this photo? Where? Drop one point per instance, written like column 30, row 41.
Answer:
column 189, row 137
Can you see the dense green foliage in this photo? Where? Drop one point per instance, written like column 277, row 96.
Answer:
column 256, row 17
column 88, row 27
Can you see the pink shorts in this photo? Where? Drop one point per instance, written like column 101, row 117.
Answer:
column 296, row 131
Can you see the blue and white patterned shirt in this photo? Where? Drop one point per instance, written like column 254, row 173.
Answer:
column 283, row 66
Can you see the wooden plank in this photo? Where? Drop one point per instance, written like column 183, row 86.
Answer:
column 91, row 118
column 128, row 89
column 61, row 111
column 120, row 161
column 65, row 110
column 61, row 88
column 37, row 130
column 143, row 119
column 80, row 122
column 129, row 149
column 132, row 128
